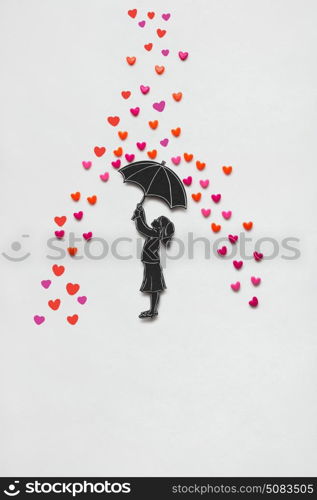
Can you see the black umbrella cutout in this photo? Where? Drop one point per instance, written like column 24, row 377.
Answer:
column 156, row 179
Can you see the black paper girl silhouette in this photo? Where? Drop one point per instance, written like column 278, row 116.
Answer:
column 162, row 231
column 155, row 179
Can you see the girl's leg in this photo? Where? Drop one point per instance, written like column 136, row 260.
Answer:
column 154, row 301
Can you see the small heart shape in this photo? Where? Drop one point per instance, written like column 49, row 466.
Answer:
column 248, row 226
column 54, row 304
column 75, row 196
column 233, row 238
column 118, row 152
column 206, row 212
column 222, row 251
column 257, row 256
column 216, row 198
column 86, row 164
column 113, row 120
column 153, row 124
column 39, row 319
column 59, row 234
column 255, row 281
column 72, row 320
column 159, row 69
column 215, row 227
column 92, row 199
column 177, row 96
column 188, row 180
column 78, row 215
column 125, row 94
column 129, row 157
column 122, row 134
column 165, row 52
column 166, row 16
column 141, row 24
column 150, row 15
column 188, row 157
column 99, row 151
column 196, row 196
column 164, row 142
column 238, row 264
column 116, row 163
column 72, row 251
column 226, row 215
column 200, row 165
column 82, row 300
column 58, row 270
column 152, row 154
column 148, row 46
column 60, row 221
column 176, row 160
column 183, row 55
column 72, row 288
column 176, row 131
column 141, row 145
column 204, row 184
column 135, row 111
column 46, row 283
column 104, row 177
column 159, row 106
column 131, row 60
column 227, row 170
column 144, row 89
column 160, row 33
column 87, row 236
column 132, row 13
column 235, row 286
column 254, row 302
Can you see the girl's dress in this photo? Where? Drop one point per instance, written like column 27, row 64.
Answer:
column 153, row 279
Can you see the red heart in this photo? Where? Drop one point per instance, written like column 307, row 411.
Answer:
column 215, row 227
column 200, row 165
column 60, row 221
column 132, row 13
column 131, row 60
column 92, row 199
column 99, row 151
column 58, row 270
column 159, row 69
column 118, row 152
column 227, row 170
column 148, row 46
column 72, row 288
column 122, row 135
column 188, row 157
column 75, row 196
column 196, row 197
column 177, row 96
column 113, row 120
column 160, row 32
column 54, row 304
column 72, row 251
column 176, row 131
column 248, row 226
column 72, row 320
column 150, row 15
column 125, row 94
column 153, row 124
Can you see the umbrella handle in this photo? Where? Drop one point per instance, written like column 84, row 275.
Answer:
column 139, row 204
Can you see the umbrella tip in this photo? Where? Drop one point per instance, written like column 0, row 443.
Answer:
column 163, row 163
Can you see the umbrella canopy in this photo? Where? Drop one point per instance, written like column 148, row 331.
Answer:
column 155, row 179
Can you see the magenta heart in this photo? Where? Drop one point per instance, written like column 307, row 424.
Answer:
column 116, row 163
column 86, row 164
column 238, row 264
column 235, row 286
column 144, row 89
column 166, row 16
column 206, row 212
column 165, row 52
column 226, row 215
column 129, row 157
column 59, row 234
column 39, row 319
column 257, row 256
column 87, row 236
column 104, row 177
column 188, row 180
column 78, row 215
column 216, row 198
column 82, row 299
column 141, row 24
column 141, row 145
column 233, row 238
column 135, row 111
column 46, row 283
column 255, row 281
column 204, row 184
column 222, row 251
column 164, row 142
column 254, row 302
column 159, row 106
column 183, row 55
column 176, row 160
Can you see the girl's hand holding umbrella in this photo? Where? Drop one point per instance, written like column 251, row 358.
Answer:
column 137, row 212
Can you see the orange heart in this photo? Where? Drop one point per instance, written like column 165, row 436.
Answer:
column 215, row 227
column 92, row 199
column 75, row 196
column 72, row 320
column 188, row 157
column 122, row 135
column 118, row 152
column 159, row 69
column 196, row 197
column 154, row 124
column 58, row 270
column 125, row 94
column 54, row 304
column 152, row 154
column 72, row 251
column 176, row 131
column 72, row 288
column 100, row 151
column 177, row 96
column 227, row 170
column 160, row 32
column 150, row 15
column 131, row 60
column 200, row 165
column 148, row 46
column 60, row 221
column 248, row 226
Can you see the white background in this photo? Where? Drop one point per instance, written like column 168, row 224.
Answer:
column 211, row 387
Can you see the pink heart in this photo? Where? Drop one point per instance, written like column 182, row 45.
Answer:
column 141, row 145
column 233, row 238
column 222, row 251
column 46, row 283
column 204, row 184
column 141, row 24
column 82, row 299
column 206, row 212
column 254, row 302
column 39, row 319
column 129, row 158
column 235, row 286
column 188, row 180
column 144, row 89
column 216, row 197
column 59, row 234
column 86, row 164
column 226, row 215
column 257, row 256
column 116, row 163
column 166, row 16
column 87, row 236
column 183, row 55
column 255, row 281
column 164, row 142
column 165, row 52
column 104, row 177
column 135, row 111
column 159, row 106
column 238, row 264
column 176, row 160
column 78, row 215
